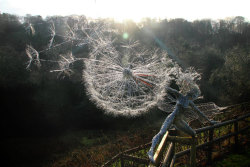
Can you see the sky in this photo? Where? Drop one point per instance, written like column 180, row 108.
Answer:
column 131, row 9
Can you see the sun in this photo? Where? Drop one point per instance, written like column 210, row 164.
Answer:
column 120, row 10
column 135, row 10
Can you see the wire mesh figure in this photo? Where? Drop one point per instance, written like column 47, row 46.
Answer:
column 176, row 118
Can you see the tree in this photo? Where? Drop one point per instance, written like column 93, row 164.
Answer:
column 233, row 78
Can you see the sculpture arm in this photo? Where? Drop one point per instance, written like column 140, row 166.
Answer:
column 200, row 114
column 175, row 92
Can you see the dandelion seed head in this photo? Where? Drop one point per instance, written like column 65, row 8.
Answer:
column 121, row 77
column 33, row 56
column 128, row 81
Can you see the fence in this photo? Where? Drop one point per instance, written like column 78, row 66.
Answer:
column 170, row 148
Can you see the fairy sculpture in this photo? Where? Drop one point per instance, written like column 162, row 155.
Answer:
column 177, row 118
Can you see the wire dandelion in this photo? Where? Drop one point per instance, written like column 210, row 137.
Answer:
column 33, row 56
column 30, row 30
column 52, row 34
column 121, row 76
column 129, row 81
column 65, row 63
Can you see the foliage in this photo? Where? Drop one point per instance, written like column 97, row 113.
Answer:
column 233, row 77
column 235, row 160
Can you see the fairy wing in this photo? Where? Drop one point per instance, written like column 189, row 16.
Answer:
column 210, row 110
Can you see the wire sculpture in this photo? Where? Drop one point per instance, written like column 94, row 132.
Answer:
column 121, row 76
column 184, row 111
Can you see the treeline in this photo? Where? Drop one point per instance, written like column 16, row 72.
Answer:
column 219, row 50
column 38, row 101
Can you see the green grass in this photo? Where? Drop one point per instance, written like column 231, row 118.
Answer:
column 235, row 160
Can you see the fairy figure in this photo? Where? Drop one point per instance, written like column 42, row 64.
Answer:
column 177, row 118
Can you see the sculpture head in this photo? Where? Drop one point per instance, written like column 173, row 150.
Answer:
column 194, row 93
column 187, row 83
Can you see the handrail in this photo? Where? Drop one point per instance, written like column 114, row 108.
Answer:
column 200, row 130
column 125, row 153
column 212, row 140
column 181, row 153
column 160, row 149
column 170, row 157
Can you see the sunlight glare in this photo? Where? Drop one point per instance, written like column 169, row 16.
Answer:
column 125, row 35
column 130, row 9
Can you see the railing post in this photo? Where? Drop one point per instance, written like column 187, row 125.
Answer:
column 193, row 152
column 236, row 139
column 173, row 156
column 122, row 161
column 160, row 149
column 173, row 161
column 169, row 155
column 210, row 147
